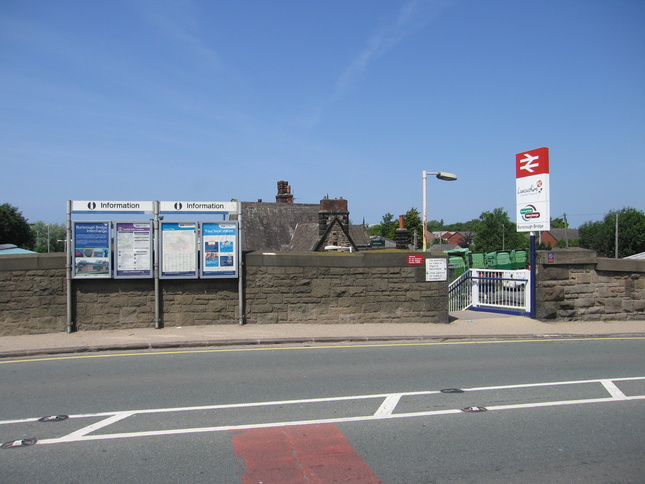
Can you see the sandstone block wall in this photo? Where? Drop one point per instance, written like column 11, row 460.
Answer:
column 279, row 288
column 32, row 294
column 341, row 288
column 576, row 285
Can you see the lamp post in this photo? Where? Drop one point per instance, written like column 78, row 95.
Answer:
column 441, row 175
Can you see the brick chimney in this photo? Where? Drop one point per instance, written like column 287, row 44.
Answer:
column 284, row 193
column 401, row 236
column 331, row 209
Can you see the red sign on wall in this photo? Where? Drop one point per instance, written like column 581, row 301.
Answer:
column 534, row 162
column 414, row 260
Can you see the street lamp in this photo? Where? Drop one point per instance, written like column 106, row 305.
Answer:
column 441, row 175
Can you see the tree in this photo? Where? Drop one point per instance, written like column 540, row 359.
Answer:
column 49, row 237
column 412, row 221
column 14, row 228
column 558, row 223
column 495, row 231
column 601, row 236
column 386, row 228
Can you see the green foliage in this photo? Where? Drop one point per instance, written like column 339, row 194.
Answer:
column 601, row 236
column 495, row 231
column 412, row 221
column 470, row 226
column 52, row 233
column 558, row 223
column 436, row 226
column 14, row 228
column 386, row 228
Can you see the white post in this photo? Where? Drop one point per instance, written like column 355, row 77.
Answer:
column 425, row 211
column 441, row 175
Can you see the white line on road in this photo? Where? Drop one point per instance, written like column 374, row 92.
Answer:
column 613, row 390
column 388, row 405
column 385, row 411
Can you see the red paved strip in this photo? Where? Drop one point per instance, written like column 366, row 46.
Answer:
column 312, row 454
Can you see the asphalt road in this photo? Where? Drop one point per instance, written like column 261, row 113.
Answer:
column 545, row 411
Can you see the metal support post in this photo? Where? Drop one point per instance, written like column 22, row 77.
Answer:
column 155, row 209
column 69, row 268
column 533, row 288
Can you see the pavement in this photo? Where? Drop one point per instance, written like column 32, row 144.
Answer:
column 464, row 325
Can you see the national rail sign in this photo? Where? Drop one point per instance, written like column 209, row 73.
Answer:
column 532, row 190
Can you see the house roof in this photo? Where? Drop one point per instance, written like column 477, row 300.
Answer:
column 640, row 256
column 10, row 249
column 561, row 234
column 306, row 236
column 271, row 226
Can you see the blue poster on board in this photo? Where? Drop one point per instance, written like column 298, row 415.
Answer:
column 219, row 249
column 92, row 250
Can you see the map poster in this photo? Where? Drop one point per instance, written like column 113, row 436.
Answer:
column 179, row 250
column 219, row 249
column 133, row 250
column 92, row 250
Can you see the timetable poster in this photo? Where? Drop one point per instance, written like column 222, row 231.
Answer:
column 133, row 249
column 219, row 249
column 92, row 251
column 179, row 250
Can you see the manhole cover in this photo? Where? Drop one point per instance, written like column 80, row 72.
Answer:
column 18, row 443
column 53, row 418
column 474, row 409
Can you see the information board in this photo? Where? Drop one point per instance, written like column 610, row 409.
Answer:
column 220, row 247
column 92, row 256
column 178, row 250
column 133, row 250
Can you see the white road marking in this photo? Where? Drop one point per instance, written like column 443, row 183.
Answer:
column 613, row 390
column 385, row 411
column 99, row 425
column 388, row 405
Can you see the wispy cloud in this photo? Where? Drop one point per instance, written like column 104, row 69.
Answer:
column 179, row 21
column 413, row 16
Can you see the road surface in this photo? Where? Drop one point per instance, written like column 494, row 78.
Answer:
column 532, row 411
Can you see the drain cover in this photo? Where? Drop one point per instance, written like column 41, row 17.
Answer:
column 53, row 418
column 18, row 443
column 474, row 409
column 452, row 390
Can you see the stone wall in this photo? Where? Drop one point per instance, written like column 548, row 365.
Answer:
column 575, row 285
column 279, row 288
column 32, row 294
column 363, row 287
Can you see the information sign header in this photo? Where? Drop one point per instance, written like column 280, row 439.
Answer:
column 98, row 206
column 198, row 207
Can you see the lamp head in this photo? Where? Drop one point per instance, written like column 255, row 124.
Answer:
column 444, row 175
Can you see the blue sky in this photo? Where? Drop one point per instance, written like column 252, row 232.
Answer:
column 212, row 100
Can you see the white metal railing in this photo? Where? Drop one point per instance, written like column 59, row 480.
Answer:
column 492, row 289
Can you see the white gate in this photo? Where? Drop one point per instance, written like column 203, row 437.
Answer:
column 491, row 290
